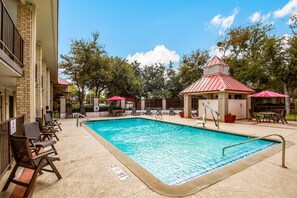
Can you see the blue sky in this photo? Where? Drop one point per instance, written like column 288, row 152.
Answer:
column 162, row 30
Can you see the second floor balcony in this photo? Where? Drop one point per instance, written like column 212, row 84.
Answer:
column 11, row 42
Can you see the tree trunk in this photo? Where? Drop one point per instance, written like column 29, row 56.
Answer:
column 287, row 99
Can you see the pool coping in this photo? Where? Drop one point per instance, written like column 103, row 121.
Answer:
column 195, row 185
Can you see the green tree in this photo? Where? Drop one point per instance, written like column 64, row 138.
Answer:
column 173, row 85
column 78, row 61
column 98, row 70
column 154, row 81
column 242, row 50
column 190, row 69
column 125, row 81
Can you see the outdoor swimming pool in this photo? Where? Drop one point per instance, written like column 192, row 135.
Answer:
column 174, row 153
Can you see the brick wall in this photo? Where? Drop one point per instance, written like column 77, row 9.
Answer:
column 24, row 25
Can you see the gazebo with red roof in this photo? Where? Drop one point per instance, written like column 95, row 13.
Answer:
column 221, row 92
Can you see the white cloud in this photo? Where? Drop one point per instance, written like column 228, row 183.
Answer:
column 224, row 22
column 257, row 17
column 289, row 9
column 214, row 51
column 159, row 55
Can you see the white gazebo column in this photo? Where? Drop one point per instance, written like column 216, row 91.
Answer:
column 248, row 104
column 142, row 100
column 96, row 101
column 187, row 106
column 223, row 104
column 123, row 103
column 62, row 107
column 163, row 103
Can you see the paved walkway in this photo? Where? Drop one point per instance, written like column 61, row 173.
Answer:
column 86, row 168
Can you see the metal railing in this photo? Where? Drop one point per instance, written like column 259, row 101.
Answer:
column 7, row 127
column 77, row 117
column 260, row 138
column 216, row 120
column 11, row 41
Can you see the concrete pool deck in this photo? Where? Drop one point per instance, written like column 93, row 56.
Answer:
column 86, row 167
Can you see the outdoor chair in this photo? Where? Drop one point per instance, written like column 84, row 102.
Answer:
column 49, row 122
column 253, row 115
column 201, row 121
column 37, row 139
column 82, row 111
column 280, row 116
column 47, row 129
column 23, row 158
column 171, row 111
column 159, row 109
column 123, row 112
column 134, row 112
column 111, row 113
column 148, row 111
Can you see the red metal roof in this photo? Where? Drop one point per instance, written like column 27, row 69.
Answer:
column 61, row 81
column 216, row 61
column 216, row 82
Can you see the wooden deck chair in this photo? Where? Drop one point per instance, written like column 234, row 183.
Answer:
column 201, row 121
column 23, row 158
column 47, row 129
column 37, row 139
column 49, row 122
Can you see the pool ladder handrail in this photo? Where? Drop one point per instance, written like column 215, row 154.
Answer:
column 77, row 117
column 260, row 138
column 217, row 123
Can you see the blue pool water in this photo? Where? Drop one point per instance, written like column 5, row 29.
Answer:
column 174, row 153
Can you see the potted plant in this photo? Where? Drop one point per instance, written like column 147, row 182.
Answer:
column 230, row 118
column 181, row 114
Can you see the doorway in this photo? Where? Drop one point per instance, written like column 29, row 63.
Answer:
column 1, row 111
column 11, row 106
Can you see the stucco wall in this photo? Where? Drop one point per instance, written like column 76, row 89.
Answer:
column 238, row 108
column 212, row 104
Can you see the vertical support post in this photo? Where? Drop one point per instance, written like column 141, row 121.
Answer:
column 187, row 106
column 123, row 103
column 163, row 103
column 142, row 100
column 223, row 104
column 96, row 101
column 62, row 107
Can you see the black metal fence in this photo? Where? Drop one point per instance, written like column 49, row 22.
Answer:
column 11, row 41
column 7, row 127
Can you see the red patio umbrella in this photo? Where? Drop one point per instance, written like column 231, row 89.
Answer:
column 268, row 94
column 113, row 98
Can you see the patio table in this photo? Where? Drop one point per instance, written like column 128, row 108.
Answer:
column 266, row 115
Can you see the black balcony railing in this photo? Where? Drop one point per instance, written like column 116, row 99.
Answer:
column 11, row 41
column 5, row 131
